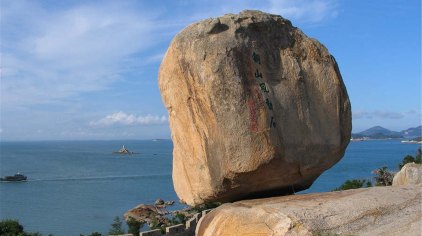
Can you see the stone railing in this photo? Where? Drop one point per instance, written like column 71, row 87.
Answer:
column 180, row 229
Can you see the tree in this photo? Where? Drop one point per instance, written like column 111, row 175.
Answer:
column 116, row 227
column 383, row 177
column 134, row 226
column 13, row 228
column 95, row 234
column 410, row 159
column 353, row 184
column 418, row 158
column 406, row 159
column 10, row 228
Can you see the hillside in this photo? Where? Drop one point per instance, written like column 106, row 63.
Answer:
column 412, row 132
column 378, row 132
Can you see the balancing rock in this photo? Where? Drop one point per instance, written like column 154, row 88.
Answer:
column 256, row 108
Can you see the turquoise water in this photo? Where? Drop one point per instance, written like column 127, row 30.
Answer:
column 360, row 159
column 79, row 186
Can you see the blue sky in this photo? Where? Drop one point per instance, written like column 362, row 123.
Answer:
column 88, row 69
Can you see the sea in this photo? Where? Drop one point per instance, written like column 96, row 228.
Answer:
column 79, row 187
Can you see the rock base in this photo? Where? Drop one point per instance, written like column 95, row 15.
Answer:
column 369, row 211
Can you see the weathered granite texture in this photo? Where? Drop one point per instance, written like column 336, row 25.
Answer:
column 411, row 173
column 256, row 108
column 369, row 211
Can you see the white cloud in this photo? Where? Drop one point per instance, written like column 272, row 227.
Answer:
column 122, row 118
column 52, row 55
column 68, row 59
column 378, row 114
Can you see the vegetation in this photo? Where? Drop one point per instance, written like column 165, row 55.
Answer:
column 383, row 177
column 204, row 206
column 354, row 183
column 156, row 224
column 13, row 228
column 159, row 222
column 93, row 234
column 116, row 227
column 134, row 226
column 410, row 159
column 179, row 218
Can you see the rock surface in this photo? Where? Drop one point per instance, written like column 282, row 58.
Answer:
column 371, row 211
column 411, row 173
column 146, row 213
column 256, row 108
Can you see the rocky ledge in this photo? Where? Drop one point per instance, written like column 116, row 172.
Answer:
column 371, row 211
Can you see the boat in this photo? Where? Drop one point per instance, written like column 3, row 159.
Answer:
column 15, row 178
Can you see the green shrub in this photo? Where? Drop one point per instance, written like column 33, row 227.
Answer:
column 383, row 177
column 156, row 224
column 116, row 227
column 410, row 159
column 353, row 184
column 134, row 226
column 13, row 228
column 10, row 227
column 205, row 206
column 95, row 234
column 179, row 218
column 406, row 159
column 418, row 158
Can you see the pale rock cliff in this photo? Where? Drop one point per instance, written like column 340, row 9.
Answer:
column 411, row 173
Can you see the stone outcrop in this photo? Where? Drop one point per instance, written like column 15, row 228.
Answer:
column 411, row 173
column 146, row 213
column 256, row 108
column 370, row 211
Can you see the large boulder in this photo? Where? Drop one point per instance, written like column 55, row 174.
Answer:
column 256, row 108
column 370, row 211
column 411, row 173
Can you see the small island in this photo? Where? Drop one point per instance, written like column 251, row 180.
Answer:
column 124, row 151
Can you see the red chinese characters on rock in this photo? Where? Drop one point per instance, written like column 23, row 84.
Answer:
column 253, row 117
column 256, row 100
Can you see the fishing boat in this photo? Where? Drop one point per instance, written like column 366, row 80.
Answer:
column 14, row 178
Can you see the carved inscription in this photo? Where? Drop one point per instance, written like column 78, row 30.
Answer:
column 263, row 96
